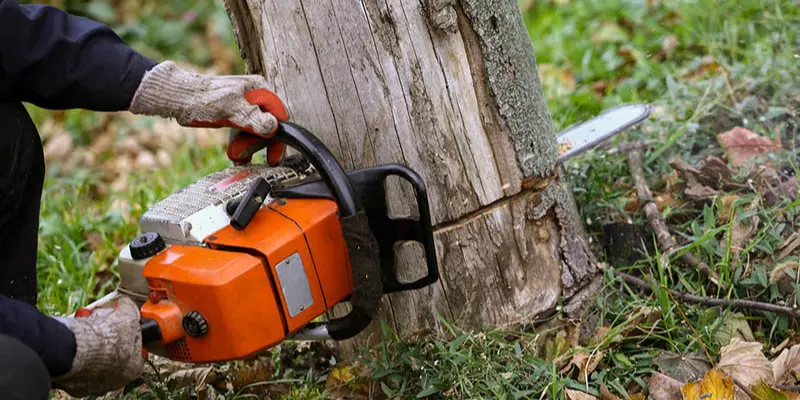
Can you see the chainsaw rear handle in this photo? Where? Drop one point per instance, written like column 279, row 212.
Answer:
column 336, row 180
column 369, row 187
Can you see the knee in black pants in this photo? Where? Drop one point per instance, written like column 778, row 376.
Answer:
column 23, row 375
column 22, row 170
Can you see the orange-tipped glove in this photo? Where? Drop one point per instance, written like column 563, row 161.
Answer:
column 209, row 101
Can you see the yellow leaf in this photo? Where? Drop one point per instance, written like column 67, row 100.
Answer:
column 343, row 380
column 715, row 385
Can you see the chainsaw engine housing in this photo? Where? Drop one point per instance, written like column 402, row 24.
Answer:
column 248, row 289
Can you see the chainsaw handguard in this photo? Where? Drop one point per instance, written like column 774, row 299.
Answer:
column 362, row 246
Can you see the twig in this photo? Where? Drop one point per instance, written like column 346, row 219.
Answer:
column 714, row 302
column 788, row 388
column 666, row 242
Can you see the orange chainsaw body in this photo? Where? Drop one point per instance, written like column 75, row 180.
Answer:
column 234, row 284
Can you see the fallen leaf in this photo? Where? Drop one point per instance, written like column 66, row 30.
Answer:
column 58, row 147
column 786, row 367
column 146, row 160
column 781, row 277
column 609, row 32
column 344, row 380
column 734, row 325
column 743, row 145
column 94, row 240
column 560, row 80
column 578, row 395
column 684, row 368
column 762, row 391
column 253, row 372
column 692, row 186
column 663, row 387
column 586, row 364
column 706, row 65
column 789, row 245
column 193, row 377
column 743, row 230
column 745, row 362
column 669, row 44
column 715, row 385
column 606, row 394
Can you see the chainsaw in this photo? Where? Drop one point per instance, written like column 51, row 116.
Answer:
column 252, row 255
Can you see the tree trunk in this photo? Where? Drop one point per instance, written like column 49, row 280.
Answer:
column 450, row 89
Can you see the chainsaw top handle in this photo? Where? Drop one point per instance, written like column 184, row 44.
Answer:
column 362, row 246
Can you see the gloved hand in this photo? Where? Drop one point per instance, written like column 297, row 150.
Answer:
column 109, row 350
column 210, row 101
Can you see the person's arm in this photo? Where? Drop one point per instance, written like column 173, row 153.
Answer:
column 89, row 355
column 55, row 60
column 51, row 340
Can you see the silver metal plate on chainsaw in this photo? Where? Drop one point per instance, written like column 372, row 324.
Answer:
column 581, row 137
column 198, row 210
column 294, row 284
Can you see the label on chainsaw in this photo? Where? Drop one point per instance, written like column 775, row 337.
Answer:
column 231, row 180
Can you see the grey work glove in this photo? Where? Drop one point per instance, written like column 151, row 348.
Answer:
column 109, row 350
column 210, row 101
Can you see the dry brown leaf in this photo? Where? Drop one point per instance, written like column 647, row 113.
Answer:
column 663, row 387
column 742, row 145
column 194, row 377
column 669, row 44
column 561, row 80
column 146, row 160
column 780, row 277
column 578, row 395
column 58, row 147
column 94, row 240
column 606, row 394
column 586, row 364
column 102, row 143
column 715, row 385
column 789, row 245
column 745, row 362
column 253, row 372
column 786, row 367
column 743, row 230
column 707, row 65
column 685, row 368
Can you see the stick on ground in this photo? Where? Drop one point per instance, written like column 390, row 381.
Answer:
column 666, row 242
column 714, row 302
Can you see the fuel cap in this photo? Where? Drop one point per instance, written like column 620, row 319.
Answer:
column 194, row 324
column 147, row 245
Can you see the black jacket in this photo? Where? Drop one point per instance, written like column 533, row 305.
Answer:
column 59, row 61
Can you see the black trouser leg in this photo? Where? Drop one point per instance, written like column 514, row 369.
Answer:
column 21, row 178
column 23, row 375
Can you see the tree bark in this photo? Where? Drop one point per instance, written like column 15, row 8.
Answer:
column 450, row 89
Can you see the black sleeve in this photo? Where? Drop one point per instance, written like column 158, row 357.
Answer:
column 50, row 339
column 60, row 61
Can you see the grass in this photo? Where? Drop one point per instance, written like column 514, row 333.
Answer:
column 729, row 63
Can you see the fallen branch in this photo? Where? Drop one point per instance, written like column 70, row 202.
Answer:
column 714, row 302
column 788, row 388
column 666, row 242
